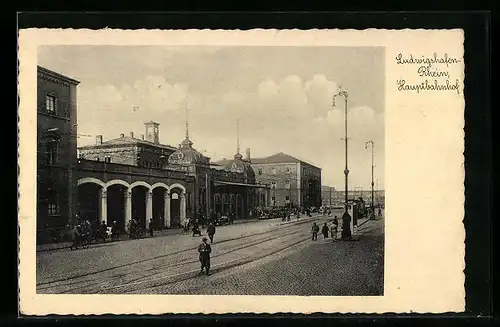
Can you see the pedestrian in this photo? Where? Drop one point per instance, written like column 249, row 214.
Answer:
column 114, row 231
column 335, row 228
column 150, row 227
column 379, row 212
column 324, row 231
column 211, row 232
column 346, row 225
column 315, row 230
column 196, row 228
column 102, row 231
column 204, row 250
column 75, row 235
column 88, row 231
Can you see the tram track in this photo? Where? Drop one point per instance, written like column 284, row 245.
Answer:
column 88, row 281
column 273, row 228
column 89, row 285
column 266, row 243
column 162, row 281
column 190, row 271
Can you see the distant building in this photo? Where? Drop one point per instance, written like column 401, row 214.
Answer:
column 56, row 149
column 293, row 182
column 328, row 195
column 378, row 196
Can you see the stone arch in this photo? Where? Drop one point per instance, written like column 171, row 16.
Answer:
column 117, row 181
column 93, row 180
column 160, row 184
column 178, row 186
column 140, row 183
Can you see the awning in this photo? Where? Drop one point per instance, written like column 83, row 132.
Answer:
column 220, row 183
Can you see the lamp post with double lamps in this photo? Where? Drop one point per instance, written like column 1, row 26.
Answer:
column 344, row 94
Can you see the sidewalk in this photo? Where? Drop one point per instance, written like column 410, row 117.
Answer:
column 125, row 237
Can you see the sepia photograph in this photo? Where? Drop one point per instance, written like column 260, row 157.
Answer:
column 228, row 171
column 210, row 170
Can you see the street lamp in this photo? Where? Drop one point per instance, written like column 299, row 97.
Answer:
column 343, row 93
column 372, row 144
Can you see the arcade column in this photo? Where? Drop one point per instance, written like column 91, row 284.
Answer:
column 128, row 208
column 183, row 206
column 166, row 208
column 149, row 206
column 103, row 206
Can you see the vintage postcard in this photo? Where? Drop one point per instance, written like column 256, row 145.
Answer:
column 260, row 171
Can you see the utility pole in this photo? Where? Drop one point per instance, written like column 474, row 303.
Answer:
column 346, row 170
column 372, row 146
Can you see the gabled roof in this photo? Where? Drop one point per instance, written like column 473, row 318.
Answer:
column 276, row 158
column 127, row 140
column 279, row 158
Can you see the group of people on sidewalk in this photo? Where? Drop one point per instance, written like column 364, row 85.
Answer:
column 332, row 229
column 83, row 232
column 326, row 230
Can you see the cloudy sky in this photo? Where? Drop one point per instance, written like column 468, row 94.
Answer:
column 282, row 97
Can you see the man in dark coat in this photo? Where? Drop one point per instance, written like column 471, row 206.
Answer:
column 314, row 231
column 211, row 232
column 325, row 231
column 196, row 228
column 204, row 249
column 346, row 225
column 102, row 231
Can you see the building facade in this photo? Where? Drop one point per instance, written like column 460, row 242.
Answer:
column 56, row 149
column 328, row 195
column 129, row 150
column 293, row 182
column 128, row 178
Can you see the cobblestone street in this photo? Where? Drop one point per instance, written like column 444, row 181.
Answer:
column 341, row 268
column 265, row 257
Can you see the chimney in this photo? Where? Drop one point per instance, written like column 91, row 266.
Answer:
column 247, row 157
column 122, row 135
column 98, row 140
column 142, row 137
column 132, row 134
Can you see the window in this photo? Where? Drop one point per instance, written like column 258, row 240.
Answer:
column 107, row 159
column 287, row 198
column 53, row 202
column 52, row 153
column 50, row 103
column 287, row 184
column 287, row 169
column 260, row 171
column 273, row 185
column 273, row 171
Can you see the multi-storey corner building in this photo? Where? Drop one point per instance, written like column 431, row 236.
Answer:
column 294, row 182
column 56, row 149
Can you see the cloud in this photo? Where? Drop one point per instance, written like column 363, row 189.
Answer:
column 289, row 114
